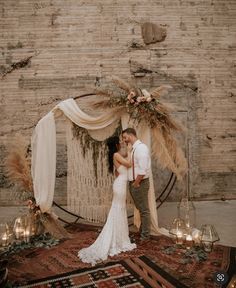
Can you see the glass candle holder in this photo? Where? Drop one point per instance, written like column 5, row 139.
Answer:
column 189, row 241
column 208, row 237
column 179, row 237
column 187, row 212
column 5, row 239
column 196, row 237
column 27, row 235
column 19, row 229
column 4, row 235
column 207, row 246
column 178, row 229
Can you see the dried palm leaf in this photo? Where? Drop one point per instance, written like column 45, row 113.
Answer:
column 165, row 149
column 166, row 119
column 173, row 125
column 160, row 108
column 17, row 165
column 122, row 84
column 160, row 91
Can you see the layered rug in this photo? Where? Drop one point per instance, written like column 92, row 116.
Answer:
column 134, row 273
column 41, row 263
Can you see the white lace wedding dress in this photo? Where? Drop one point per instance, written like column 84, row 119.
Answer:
column 114, row 237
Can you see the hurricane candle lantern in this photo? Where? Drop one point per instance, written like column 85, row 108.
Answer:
column 4, row 235
column 19, row 228
column 27, row 235
column 189, row 241
column 208, row 237
column 178, row 230
column 187, row 212
column 196, row 236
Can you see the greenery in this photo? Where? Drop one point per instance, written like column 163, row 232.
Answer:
column 88, row 143
column 43, row 240
column 195, row 253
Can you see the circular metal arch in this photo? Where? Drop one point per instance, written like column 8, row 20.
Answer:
column 159, row 200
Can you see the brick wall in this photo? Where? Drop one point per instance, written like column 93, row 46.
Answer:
column 75, row 45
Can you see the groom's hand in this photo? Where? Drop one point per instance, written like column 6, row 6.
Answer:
column 136, row 184
column 137, row 181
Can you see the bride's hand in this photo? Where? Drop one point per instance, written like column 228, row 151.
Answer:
column 116, row 173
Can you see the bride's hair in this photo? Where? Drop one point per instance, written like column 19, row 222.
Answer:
column 113, row 146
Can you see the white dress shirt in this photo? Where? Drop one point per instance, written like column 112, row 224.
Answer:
column 142, row 160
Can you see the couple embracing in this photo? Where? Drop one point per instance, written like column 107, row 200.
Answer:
column 134, row 169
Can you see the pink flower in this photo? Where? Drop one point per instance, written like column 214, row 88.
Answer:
column 131, row 95
column 29, row 202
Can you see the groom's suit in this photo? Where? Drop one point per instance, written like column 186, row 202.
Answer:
column 141, row 165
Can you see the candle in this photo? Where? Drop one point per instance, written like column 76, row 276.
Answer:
column 179, row 235
column 19, row 232
column 187, row 222
column 26, row 235
column 189, row 240
column 196, row 236
column 4, row 239
column 207, row 246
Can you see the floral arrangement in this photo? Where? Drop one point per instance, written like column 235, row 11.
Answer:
column 142, row 105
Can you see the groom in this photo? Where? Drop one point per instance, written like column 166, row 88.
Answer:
column 138, row 176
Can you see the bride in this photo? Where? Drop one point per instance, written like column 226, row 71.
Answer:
column 114, row 237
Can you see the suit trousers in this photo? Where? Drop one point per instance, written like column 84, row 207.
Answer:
column 140, row 197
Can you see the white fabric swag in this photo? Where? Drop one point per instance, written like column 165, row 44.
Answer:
column 43, row 144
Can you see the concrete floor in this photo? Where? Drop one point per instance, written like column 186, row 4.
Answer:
column 222, row 214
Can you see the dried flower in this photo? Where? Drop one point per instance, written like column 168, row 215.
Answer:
column 130, row 96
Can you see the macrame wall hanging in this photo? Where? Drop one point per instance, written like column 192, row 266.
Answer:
column 89, row 183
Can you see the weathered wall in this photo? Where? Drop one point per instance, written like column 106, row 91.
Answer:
column 75, row 44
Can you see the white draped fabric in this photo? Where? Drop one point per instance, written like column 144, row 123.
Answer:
column 43, row 167
column 44, row 151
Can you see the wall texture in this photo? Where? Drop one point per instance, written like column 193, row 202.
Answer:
column 52, row 50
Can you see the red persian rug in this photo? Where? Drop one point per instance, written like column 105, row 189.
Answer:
column 32, row 264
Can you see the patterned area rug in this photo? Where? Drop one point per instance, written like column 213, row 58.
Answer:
column 39, row 263
column 110, row 275
column 133, row 272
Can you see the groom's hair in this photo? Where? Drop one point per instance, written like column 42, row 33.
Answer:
column 130, row 131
